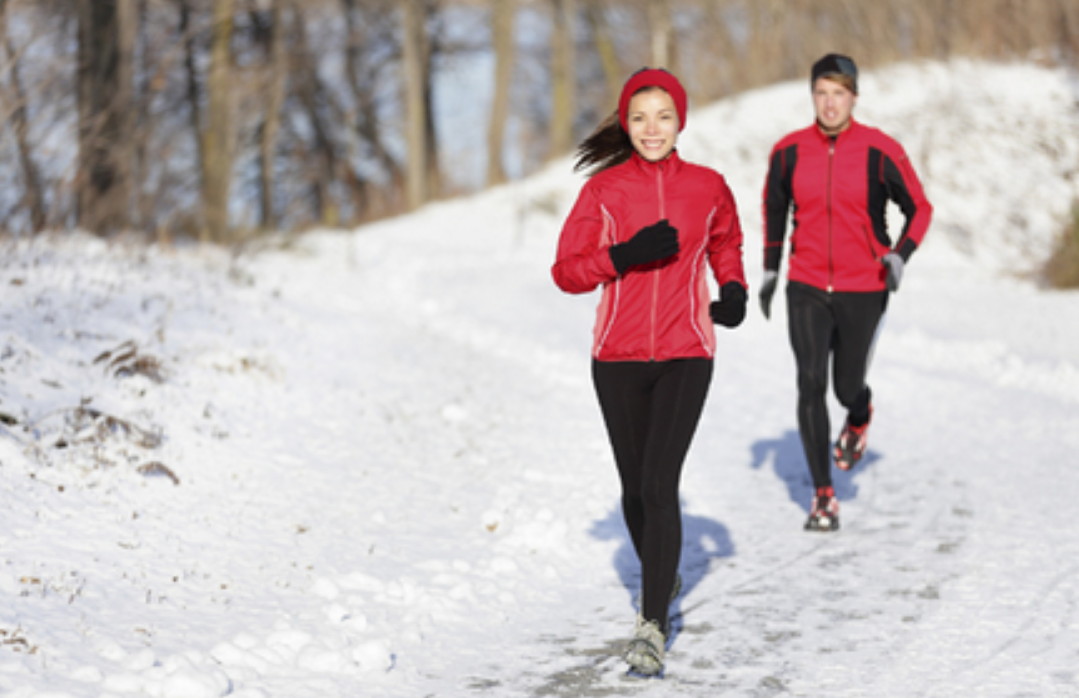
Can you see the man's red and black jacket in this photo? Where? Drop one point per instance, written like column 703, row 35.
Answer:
column 839, row 188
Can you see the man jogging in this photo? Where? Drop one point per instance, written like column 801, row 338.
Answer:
column 839, row 176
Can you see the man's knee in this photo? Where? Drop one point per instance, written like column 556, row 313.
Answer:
column 812, row 386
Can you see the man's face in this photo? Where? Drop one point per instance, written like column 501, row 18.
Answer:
column 834, row 104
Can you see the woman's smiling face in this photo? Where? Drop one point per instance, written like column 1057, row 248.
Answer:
column 653, row 123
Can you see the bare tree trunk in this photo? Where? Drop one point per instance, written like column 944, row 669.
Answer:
column 608, row 58
column 367, row 119
column 1067, row 30
column 193, row 92
column 659, row 23
column 105, row 83
column 278, row 70
column 502, row 15
column 415, row 62
column 434, row 168
column 563, row 76
column 142, row 118
column 723, row 74
column 217, row 140
column 339, row 191
column 34, row 196
column 311, row 93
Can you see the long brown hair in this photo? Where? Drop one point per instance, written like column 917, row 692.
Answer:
column 607, row 146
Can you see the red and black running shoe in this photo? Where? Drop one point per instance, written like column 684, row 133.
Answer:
column 824, row 514
column 850, row 446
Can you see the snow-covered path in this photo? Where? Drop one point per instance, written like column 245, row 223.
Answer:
column 394, row 482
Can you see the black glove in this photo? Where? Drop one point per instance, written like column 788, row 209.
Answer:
column 768, row 289
column 730, row 309
column 651, row 243
column 894, row 264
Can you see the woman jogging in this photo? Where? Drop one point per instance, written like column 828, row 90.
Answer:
column 644, row 227
column 839, row 176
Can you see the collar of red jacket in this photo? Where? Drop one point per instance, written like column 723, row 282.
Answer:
column 854, row 125
column 668, row 165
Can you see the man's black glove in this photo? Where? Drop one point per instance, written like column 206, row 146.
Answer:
column 730, row 309
column 894, row 264
column 651, row 243
column 768, row 289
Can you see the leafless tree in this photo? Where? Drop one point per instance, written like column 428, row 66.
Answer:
column 502, row 24
column 370, row 55
column 14, row 95
column 563, row 75
column 277, row 64
column 217, row 137
column 414, row 50
column 605, row 49
column 217, row 116
column 105, row 83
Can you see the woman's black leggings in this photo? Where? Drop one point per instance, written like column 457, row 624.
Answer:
column 651, row 410
column 843, row 325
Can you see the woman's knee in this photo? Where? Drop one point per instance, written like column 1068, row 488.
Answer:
column 660, row 491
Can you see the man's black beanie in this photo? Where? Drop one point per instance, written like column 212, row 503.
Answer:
column 834, row 64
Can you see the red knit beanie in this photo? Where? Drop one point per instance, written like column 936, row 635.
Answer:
column 653, row 77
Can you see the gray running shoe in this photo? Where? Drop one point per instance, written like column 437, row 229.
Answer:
column 647, row 650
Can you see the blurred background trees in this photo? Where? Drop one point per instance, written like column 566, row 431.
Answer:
column 215, row 119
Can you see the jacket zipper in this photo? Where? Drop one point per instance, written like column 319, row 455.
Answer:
column 831, row 260
column 655, row 272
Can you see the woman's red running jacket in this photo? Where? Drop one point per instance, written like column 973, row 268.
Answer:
column 840, row 188
column 657, row 311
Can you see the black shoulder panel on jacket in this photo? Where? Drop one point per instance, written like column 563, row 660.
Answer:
column 885, row 182
column 878, row 195
column 778, row 195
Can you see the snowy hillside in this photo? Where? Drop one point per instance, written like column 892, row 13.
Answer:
column 371, row 464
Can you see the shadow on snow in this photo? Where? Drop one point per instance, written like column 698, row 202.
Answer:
column 703, row 540
column 789, row 464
